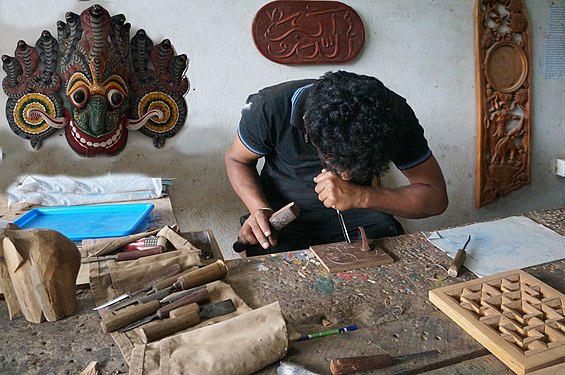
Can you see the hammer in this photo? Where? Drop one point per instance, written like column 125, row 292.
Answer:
column 277, row 221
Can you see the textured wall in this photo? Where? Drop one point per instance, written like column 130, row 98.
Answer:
column 421, row 49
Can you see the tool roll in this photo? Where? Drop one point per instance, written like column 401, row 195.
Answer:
column 240, row 342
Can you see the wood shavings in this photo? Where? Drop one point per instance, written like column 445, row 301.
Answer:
column 439, row 276
column 388, row 305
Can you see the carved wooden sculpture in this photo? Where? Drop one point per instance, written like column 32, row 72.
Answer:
column 96, row 84
column 502, row 42
column 308, row 32
column 38, row 271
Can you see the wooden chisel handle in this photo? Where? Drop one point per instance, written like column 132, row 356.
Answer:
column 163, row 328
column 193, row 307
column 129, row 315
column 458, row 261
column 131, row 255
column 342, row 366
column 198, row 296
column 204, row 275
column 278, row 221
column 171, row 280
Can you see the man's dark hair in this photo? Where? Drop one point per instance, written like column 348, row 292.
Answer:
column 351, row 119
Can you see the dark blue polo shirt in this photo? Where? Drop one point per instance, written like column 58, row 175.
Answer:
column 271, row 125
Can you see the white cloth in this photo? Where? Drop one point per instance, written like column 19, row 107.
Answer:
column 68, row 191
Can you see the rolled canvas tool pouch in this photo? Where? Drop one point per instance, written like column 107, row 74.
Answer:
column 109, row 279
column 242, row 345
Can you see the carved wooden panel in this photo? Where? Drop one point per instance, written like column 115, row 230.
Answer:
column 343, row 256
column 308, row 32
column 517, row 317
column 502, row 53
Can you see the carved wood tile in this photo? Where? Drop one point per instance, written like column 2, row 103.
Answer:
column 308, row 32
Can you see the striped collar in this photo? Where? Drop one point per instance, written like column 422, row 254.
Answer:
column 298, row 101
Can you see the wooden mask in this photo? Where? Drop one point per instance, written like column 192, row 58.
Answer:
column 96, row 84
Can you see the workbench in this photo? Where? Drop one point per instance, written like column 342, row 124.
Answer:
column 389, row 304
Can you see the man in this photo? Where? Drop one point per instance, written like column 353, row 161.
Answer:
column 325, row 143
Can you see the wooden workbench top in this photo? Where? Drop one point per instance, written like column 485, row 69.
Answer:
column 389, row 303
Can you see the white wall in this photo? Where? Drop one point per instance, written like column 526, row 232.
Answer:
column 421, row 49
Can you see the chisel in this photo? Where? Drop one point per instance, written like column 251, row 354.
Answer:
column 343, row 226
column 156, row 310
column 144, row 285
column 188, row 279
column 458, row 261
column 159, row 291
column 342, row 366
column 127, row 255
column 157, row 330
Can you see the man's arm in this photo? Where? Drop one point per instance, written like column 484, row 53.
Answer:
column 424, row 196
column 242, row 173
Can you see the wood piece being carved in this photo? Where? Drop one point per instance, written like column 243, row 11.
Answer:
column 308, row 32
column 515, row 316
column 42, row 266
column 343, row 256
column 502, row 50
column 365, row 246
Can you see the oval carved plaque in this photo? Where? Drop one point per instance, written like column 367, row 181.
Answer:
column 308, row 32
column 506, row 66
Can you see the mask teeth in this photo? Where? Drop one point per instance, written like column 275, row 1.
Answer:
column 109, row 142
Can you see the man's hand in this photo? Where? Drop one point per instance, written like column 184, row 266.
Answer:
column 256, row 229
column 424, row 196
column 338, row 193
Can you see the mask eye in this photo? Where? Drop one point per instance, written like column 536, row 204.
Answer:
column 79, row 97
column 115, row 98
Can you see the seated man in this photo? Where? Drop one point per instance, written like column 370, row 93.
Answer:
column 325, row 142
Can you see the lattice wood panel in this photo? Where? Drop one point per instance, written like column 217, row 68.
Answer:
column 517, row 317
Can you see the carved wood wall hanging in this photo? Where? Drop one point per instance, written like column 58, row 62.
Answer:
column 308, row 32
column 502, row 54
column 96, row 84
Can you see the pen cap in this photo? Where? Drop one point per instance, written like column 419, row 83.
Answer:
column 204, row 275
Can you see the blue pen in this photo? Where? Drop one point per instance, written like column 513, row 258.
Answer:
column 327, row 333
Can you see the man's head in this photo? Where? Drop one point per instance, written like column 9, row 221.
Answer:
column 351, row 120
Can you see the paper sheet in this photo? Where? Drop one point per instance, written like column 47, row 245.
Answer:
column 497, row 246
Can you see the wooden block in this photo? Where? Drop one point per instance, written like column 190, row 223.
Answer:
column 526, row 331
column 343, row 256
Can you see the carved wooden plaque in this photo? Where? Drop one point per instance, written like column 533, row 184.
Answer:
column 343, row 256
column 518, row 318
column 308, row 32
column 502, row 50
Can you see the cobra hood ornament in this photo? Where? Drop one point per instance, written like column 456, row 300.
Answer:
column 96, row 83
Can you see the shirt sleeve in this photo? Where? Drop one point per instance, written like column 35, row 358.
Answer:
column 255, row 126
column 413, row 148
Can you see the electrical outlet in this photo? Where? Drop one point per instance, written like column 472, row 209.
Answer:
column 560, row 170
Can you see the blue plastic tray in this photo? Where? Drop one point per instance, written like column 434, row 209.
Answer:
column 80, row 222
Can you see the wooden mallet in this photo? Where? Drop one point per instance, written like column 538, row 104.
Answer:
column 278, row 221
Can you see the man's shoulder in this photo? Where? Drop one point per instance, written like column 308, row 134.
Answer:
column 284, row 89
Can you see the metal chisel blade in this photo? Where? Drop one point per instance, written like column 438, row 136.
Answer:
column 145, row 285
column 217, row 309
column 415, row 355
column 143, row 298
column 343, row 226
